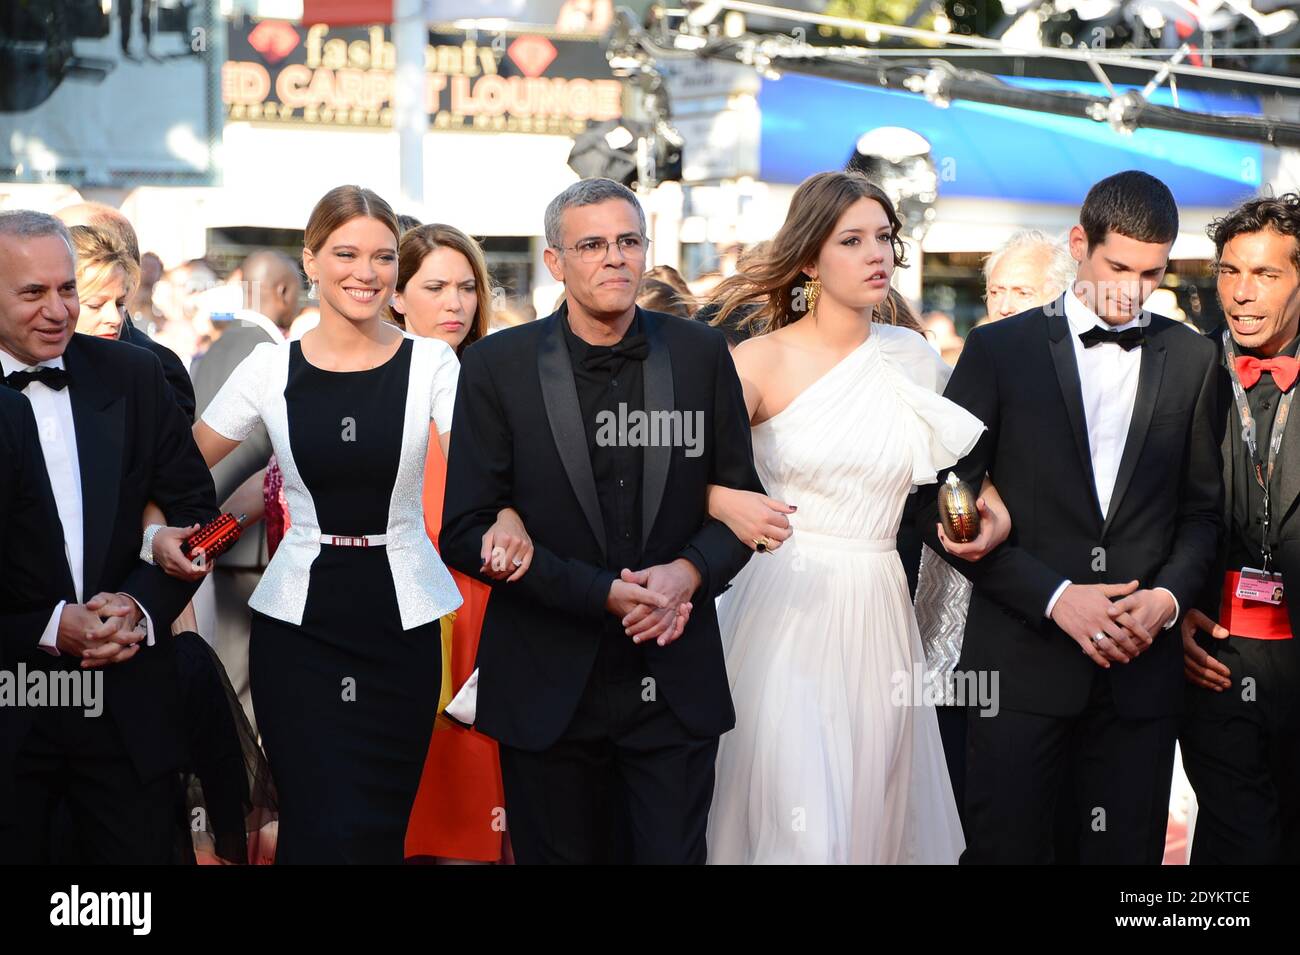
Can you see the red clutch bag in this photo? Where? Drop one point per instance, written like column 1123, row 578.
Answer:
column 214, row 538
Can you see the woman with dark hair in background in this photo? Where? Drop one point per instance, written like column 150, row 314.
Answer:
column 672, row 278
column 443, row 291
column 658, row 296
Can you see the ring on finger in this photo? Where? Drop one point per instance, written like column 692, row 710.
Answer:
column 1098, row 637
column 517, row 561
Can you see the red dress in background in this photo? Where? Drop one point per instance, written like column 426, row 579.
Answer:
column 459, row 808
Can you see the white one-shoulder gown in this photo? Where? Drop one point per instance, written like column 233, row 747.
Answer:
column 835, row 758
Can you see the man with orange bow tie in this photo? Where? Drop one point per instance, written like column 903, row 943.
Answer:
column 1241, row 734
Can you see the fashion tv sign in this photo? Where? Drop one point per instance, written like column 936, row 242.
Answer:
column 281, row 72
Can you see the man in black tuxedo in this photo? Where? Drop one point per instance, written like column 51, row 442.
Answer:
column 601, row 668
column 112, row 438
column 1103, row 439
column 1241, row 734
column 24, row 521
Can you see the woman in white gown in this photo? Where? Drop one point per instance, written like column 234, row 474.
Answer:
column 835, row 757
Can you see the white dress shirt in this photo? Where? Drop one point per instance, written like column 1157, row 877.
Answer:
column 52, row 409
column 1108, row 380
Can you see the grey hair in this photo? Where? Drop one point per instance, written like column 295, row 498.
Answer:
column 587, row 192
column 1061, row 267
column 27, row 224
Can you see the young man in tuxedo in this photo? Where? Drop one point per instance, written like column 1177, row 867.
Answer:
column 1103, row 439
column 1241, row 734
column 601, row 668
column 111, row 439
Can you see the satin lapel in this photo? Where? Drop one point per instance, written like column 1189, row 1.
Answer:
column 1150, row 371
column 99, row 421
column 1067, row 373
column 1232, row 448
column 560, row 395
column 658, row 383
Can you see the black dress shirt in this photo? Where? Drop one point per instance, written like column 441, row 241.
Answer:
column 613, row 385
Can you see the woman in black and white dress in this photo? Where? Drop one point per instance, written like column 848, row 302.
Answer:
column 345, row 655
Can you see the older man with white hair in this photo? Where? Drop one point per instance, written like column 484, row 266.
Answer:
column 1030, row 268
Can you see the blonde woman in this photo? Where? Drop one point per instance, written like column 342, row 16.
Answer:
column 107, row 275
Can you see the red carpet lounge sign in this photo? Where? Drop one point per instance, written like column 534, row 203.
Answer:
column 279, row 72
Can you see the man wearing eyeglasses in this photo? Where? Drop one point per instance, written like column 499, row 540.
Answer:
column 601, row 671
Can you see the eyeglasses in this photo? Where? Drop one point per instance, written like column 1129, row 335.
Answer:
column 594, row 250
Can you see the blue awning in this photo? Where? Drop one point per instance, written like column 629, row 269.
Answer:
column 810, row 124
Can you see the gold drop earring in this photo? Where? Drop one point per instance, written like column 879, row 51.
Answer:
column 812, row 289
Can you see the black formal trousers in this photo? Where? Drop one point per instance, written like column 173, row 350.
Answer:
column 626, row 783
column 74, row 764
column 1089, row 789
column 1241, row 752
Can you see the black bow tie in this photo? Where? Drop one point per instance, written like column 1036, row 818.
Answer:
column 631, row 348
column 56, row 378
column 1128, row 339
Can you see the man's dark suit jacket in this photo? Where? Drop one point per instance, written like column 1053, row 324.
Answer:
column 134, row 445
column 518, row 439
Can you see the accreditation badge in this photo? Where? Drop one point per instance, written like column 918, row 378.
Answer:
column 1255, row 584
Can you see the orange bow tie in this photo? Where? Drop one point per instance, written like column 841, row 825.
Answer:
column 1284, row 370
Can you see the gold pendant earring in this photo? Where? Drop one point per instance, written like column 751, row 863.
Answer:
column 811, row 290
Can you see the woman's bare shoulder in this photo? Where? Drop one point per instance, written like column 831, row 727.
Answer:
column 762, row 353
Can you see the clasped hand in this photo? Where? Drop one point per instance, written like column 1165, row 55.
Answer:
column 652, row 604
column 1127, row 626
column 655, row 603
column 107, row 628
